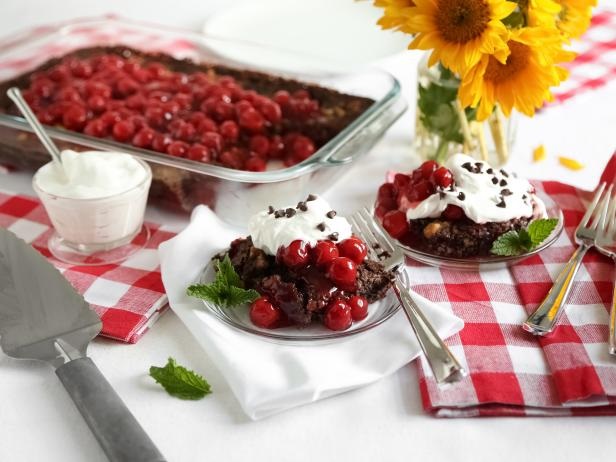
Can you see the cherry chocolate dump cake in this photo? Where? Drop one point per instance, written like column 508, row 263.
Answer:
column 456, row 210
column 307, row 266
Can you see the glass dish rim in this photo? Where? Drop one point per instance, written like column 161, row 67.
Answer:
column 496, row 259
column 323, row 157
column 312, row 339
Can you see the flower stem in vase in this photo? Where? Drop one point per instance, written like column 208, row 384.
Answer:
column 477, row 130
column 498, row 134
column 441, row 150
column 469, row 145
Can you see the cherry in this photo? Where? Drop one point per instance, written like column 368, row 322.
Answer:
column 204, row 125
column 276, row 147
column 186, row 131
column 264, row 314
column 75, row 117
column 212, row 140
column 302, row 148
column 161, row 142
column 420, row 191
column 386, row 196
column 342, row 271
column 395, row 223
column 143, row 138
column 96, row 103
column 251, row 120
column 453, row 213
column 442, row 177
column 255, row 163
column 271, row 111
column 178, row 149
column 338, row 315
column 427, row 168
column 260, row 144
column 200, row 153
column 96, row 127
column 353, row 248
column 123, row 130
column 359, row 307
column 323, row 253
column 127, row 86
column 296, row 255
column 229, row 130
column 282, row 97
column 401, row 182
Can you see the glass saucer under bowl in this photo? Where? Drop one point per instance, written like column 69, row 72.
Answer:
column 490, row 262
column 316, row 333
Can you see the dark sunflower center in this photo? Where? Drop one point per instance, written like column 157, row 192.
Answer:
column 460, row 21
column 497, row 72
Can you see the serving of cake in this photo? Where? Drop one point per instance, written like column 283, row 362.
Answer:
column 306, row 266
column 457, row 210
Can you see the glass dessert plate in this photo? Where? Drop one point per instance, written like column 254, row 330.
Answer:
column 495, row 261
column 238, row 318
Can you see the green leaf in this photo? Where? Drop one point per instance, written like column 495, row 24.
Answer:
column 508, row 244
column 179, row 381
column 539, row 230
column 226, row 290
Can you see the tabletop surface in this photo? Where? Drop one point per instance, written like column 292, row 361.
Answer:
column 384, row 421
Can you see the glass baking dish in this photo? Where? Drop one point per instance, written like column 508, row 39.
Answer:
column 182, row 183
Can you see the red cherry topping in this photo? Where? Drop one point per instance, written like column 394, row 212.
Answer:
column 359, row 307
column 264, row 314
column 143, row 138
column 178, row 149
column 427, row 168
column 421, row 190
column 342, row 271
column 442, row 177
column 123, row 130
column 255, row 163
column 75, row 117
column 395, row 223
column 199, row 152
column 229, row 130
column 296, row 255
column 338, row 315
column 323, row 253
column 453, row 212
column 386, row 196
column 353, row 248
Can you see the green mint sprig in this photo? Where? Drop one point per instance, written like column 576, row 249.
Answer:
column 524, row 240
column 227, row 289
column 179, row 381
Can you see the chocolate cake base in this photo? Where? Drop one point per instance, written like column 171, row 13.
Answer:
column 459, row 239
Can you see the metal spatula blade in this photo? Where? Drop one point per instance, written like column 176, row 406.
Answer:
column 42, row 317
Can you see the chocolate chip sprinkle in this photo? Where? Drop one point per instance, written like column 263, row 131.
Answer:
column 503, row 182
column 331, row 214
column 290, row 212
column 494, row 180
column 523, row 196
column 441, row 194
column 467, row 166
column 383, row 254
column 311, row 197
column 504, row 173
column 333, row 237
column 270, row 210
column 279, row 214
column 376, row 245
column 478, row 167
column 321, row 227
column 506, row 192
column 461, row 196
column 302, row 206
column 501, row 204
column 490, row 171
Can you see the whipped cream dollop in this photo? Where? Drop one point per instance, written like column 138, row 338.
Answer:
column 486, row 194
column 91, row 174
column 311, row 220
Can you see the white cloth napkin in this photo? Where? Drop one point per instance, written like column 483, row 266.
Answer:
column 268, row 377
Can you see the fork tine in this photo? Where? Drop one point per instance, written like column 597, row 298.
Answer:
column 593, row 205
column 376, row 229
column 367, row 231
column 601, row 220
column 611, row 214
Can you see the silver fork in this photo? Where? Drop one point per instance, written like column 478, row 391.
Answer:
column 444, row 365
column 606, row 244
column 544, row 318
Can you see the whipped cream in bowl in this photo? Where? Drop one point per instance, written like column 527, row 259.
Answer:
column 96, row 205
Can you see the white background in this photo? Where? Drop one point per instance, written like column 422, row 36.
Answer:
column 385, row 421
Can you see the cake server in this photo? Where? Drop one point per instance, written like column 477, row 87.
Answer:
column 42, row 317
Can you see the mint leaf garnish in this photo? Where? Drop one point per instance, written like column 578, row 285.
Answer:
column 179, row 381
column 539, row 230
column 522, row 241
column 227, row 289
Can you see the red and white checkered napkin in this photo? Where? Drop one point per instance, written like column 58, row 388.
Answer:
column 511, row 372
column 129, row 297
column 595, row 64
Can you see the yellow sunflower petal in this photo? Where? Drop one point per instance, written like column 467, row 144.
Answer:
column 539, row 153
column 571, row 164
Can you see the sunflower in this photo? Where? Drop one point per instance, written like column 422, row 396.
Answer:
column 459, row 31
column 541, row 13
column 394, row 16
column 574, row 17
column 523, row 82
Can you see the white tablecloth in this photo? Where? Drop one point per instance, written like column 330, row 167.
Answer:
column 382, row 422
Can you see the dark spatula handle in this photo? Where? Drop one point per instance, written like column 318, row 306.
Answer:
column 115, row 428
